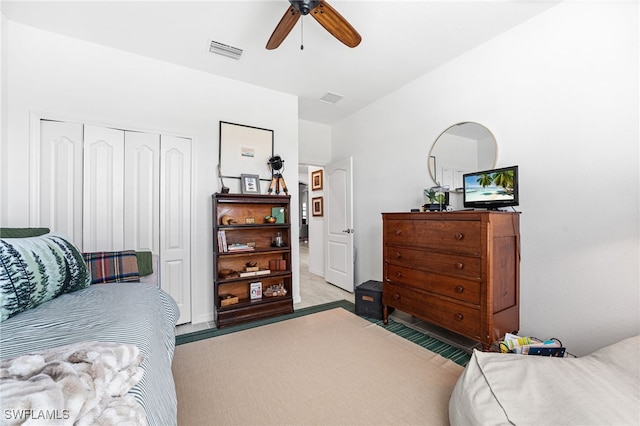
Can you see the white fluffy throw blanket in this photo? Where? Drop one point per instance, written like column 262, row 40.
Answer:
column 80, row 384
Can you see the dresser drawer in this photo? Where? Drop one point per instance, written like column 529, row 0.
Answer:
column 451, row 264
column 461, row 289
column 458, row 236
column 455, row 317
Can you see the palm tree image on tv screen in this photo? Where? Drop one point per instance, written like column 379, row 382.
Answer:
column 490, row 186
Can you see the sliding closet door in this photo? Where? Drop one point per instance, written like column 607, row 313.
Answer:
column 103, row 193
column 175, row 221
column 110, row 189
column 58, row 202
column 142, row 191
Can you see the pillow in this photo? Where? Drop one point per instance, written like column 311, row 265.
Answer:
column 153, row 278
column 145, row 263
column 37, row 269
column 112, row 266
column 22, row 232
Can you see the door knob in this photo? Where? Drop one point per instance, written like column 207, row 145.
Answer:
column 348, row 231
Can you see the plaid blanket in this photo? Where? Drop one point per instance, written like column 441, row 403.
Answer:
column 112, row 266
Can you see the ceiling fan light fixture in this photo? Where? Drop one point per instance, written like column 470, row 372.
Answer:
column 304, row 6
column 225, row 50
column 331, row 98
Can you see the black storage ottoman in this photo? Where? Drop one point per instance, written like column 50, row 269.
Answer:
column 369, row 300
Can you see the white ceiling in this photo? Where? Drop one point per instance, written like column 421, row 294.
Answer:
column 401, row 40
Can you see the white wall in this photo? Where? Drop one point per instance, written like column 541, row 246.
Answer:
column 314, row 143
column 3, row 113
column 68, row 78
column 560, row 94
column 315, row 149
column 317, row 233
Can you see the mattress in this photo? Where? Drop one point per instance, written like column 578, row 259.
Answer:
column 600, row 388
column 133, row 313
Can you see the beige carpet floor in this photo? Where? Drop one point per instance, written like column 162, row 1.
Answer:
column 328, row 368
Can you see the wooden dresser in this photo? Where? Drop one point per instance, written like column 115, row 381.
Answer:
column 458, row 270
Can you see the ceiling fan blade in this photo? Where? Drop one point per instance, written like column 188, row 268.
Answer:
column 333, row 22
column 283, row 28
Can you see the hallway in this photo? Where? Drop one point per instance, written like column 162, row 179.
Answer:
column 314, row 290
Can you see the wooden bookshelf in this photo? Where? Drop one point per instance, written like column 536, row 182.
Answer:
column 240, row 219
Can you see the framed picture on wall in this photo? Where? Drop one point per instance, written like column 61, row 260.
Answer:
column 244, row 149
column 316, row 206
column 316, row 180
column 250, row 184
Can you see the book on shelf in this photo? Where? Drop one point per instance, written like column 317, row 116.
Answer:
column 222, row 241
column 278, row 265
column 235, row 247
column 254, row 273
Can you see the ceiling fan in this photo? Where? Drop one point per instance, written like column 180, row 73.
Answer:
column 322, row 12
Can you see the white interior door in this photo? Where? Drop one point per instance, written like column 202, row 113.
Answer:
column 142, row 194
column 339, row 223
column 103, row 192
column 58, row 204
column 175, row 222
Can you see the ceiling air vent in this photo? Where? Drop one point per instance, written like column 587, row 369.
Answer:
column 225, row 50
column 331, row 98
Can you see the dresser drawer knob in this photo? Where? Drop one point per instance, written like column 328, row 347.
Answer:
column 459, row 289
column 399, row 274
column 398, row 255
column 459, row 265
column 396, row 296
column 398, row 231
column 459, row 236
column 459, row 317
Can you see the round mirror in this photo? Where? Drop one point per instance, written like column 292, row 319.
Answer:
column 462, row 148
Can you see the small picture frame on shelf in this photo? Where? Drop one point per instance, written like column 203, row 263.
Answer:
column 250, row 184
column 316, row 180
column 278, row 213
column 316, row 206
column 255, row 290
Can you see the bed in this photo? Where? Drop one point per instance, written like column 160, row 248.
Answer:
column 132, row 313
column 60, row 325
column 598, row 389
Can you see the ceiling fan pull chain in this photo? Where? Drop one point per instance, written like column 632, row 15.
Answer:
column 302, row 33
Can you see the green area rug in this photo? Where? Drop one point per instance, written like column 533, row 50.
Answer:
column 458, row 356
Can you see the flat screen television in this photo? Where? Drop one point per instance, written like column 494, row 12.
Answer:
column 491, row 189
